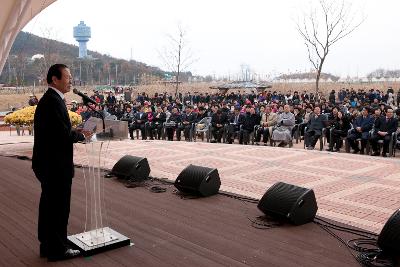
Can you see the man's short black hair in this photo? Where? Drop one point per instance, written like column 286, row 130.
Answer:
column 55, row 70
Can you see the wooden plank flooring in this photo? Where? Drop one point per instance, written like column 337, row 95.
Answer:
column 166, row 230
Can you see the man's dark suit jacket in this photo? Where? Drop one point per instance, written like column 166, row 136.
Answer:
column 248, row 121
column 366, row 125
column 316, row 124
column 161, row 119
column 191, row 118
column 140, row 116
column 54, row 138
column 382, row 125
column 218, row 119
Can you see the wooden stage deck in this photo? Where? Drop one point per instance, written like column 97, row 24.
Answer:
column 166, row 229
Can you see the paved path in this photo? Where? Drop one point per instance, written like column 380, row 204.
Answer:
column 362, row 191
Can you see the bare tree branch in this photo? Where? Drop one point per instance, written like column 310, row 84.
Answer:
column 322, row 27
column 177, row 57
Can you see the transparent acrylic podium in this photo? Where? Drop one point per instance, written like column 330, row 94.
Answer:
column 97, row 235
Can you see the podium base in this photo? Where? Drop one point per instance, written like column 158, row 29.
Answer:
column 98, row 240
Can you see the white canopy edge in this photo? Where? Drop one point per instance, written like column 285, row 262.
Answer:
column 14, row 15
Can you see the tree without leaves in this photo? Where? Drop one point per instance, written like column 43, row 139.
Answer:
column 324, row 26
column 177, row 56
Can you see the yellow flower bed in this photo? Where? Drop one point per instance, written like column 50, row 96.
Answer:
column 26, row 115
column 75, row 118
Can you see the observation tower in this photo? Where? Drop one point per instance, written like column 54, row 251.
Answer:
column 82, row 35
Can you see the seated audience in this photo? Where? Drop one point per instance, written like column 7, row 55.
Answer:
column 314, row 128
column 383, row 129
column 218, row 122
column 361, row 127
column 268, row 120
column 283, row 129
column 187, row 121
column 339, row 129
column 139, row 123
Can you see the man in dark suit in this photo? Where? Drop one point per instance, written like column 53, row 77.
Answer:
column 52, row 162
column 361, row 127
column 139, row 123
column 172, row 122
column 234, row 121
column 187, row 118
column 384, row 127
column 159, row 117
column 218, row 121
column 249, row 120
column 314, row 128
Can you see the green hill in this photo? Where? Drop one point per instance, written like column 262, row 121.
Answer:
column 21, row 69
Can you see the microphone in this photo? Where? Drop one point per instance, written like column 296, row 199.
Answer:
column 85, row 98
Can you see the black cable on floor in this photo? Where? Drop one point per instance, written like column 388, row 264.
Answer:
column 265, row 222
column 346, row 228
column 369, row 254
column 241, row 198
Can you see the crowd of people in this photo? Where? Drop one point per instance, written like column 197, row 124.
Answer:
column 360, row 117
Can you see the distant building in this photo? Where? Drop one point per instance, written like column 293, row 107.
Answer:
column 82, row 35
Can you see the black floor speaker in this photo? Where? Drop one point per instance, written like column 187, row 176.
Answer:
column 289, row 202
column 132, row 168
column 389, row 238
column 198, row 180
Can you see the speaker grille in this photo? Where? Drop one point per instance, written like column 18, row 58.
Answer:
column 389, row 238
column 198, row 180
column 291, row 202
column 281, row 197
column 131, row 167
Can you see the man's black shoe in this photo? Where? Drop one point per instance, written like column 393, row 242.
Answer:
column 68, row 254
column 376, row 153
column 384, row 155
column 356, row 151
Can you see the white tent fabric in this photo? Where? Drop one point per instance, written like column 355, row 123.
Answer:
column 14, row 15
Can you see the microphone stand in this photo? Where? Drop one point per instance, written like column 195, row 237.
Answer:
column 102, row 135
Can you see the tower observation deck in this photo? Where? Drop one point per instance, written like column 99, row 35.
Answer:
column 82, row 35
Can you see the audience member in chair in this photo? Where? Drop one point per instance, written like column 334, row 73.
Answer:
column 332, row 118
column 218, row 121
column 235, row 121
column 268, row 120
column 340, row 127
column 250, row 120
column 187, row 118
column 172, row 123
column 201, row 114
column 383, row 129
column 159, row 117
column 314, row 128
column 362, row 125
column 139, row 123
column 283, row 131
